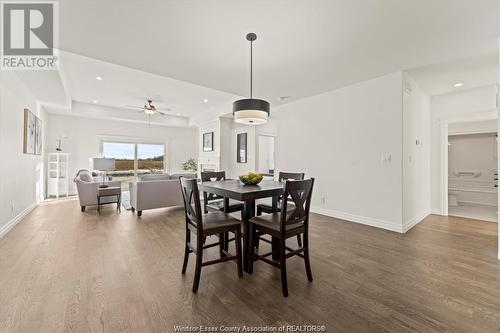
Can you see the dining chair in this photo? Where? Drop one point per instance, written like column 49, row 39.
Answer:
column 204, row 225
column 215, row 203
column 283, row 225
column 268, row 209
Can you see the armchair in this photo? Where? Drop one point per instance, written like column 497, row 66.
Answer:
column 87, row 189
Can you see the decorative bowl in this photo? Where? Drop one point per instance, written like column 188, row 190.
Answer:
column 251, row 178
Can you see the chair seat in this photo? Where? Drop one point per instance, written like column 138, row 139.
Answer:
column 218, row 205
column 272, row 221
column 268, row 208
column 218, row 220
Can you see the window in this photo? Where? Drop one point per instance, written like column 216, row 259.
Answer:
column 134, row 159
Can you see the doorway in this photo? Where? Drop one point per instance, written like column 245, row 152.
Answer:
column 134, row 159
column 266, row 154
column 472, row 172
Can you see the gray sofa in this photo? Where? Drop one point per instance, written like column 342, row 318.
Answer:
column 156, row 191
column 87, row 189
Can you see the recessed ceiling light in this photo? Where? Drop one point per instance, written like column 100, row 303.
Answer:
column 282, row 98
column 98, row 78
column 458, row 84
column 205, row 100
column 95, row 101
column 178, row 115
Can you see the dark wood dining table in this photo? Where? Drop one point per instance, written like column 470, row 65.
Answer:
column 234, row 189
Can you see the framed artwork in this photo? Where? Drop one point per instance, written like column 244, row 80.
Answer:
column 208, row 141
column 32, row 141
column 38, row 136
column 241, row 146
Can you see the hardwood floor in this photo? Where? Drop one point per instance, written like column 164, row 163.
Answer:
column 64, row 270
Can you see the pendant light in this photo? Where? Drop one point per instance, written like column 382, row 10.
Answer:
column 251, row 111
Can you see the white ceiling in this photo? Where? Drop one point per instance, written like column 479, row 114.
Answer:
column 122, row 86
column 473, row 72
column 304, row 47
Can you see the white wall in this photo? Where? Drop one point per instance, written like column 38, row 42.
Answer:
column 477, row 104
column 416, row 154
column 21, row 175
column 341, row 138
column 85, row 135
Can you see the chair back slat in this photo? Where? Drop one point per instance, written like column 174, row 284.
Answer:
column 290, row 175
column 212, row 176
column 192, row 206
column 284, row 176
column 298, row 192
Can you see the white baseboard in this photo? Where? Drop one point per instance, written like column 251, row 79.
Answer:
column 415, row 220
column 12, row 223
column 387, row 225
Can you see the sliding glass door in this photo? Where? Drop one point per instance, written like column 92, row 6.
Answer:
column 124, row 155
column 134, row 159
column 150, row 158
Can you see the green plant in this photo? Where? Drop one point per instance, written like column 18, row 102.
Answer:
column 190, row 165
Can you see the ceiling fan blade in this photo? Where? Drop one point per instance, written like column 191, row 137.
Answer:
column 134, row 107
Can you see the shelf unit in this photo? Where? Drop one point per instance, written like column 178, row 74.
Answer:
column 58, row 175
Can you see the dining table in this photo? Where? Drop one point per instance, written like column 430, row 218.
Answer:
column 248, row 194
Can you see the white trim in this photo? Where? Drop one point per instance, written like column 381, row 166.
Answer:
column 415, row 220
column 18, row 218
column 382, row 224
column 444, row 169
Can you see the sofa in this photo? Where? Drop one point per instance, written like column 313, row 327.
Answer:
column 87, row 189
column 156, row 191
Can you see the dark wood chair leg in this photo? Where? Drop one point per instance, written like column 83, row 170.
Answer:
column 186, row 251
column 197, row 270
column 299, row 241
column 238, row 251
column 226, row 241
column 221, row 245
column 251, row 235
column 284, row 283
column 83, row 208
column 259, row 211
column 306, row 257
column 133, row 210
column 139, row 213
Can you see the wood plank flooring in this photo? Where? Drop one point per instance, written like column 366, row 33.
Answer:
column 63, row 270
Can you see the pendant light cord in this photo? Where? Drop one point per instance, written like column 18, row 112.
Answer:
column 251, row 69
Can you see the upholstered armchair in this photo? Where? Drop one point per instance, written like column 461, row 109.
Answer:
column 87, row 189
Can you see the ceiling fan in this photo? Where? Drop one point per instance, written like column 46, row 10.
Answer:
column 149, row 108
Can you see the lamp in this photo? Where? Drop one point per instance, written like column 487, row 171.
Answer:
column 251, row 111
column 104, row 164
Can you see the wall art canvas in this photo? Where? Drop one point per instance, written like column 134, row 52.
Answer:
column 29, row 132
column 208, row 141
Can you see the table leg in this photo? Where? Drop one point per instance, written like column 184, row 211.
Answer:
column 119, row 204
column 99, row 205
column 248, row 208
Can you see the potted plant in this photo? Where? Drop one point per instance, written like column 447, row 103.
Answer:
column 190, row 165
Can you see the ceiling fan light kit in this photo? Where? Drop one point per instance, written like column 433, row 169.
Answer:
column 251, row 111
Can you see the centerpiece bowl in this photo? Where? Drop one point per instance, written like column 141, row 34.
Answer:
column 251, row 178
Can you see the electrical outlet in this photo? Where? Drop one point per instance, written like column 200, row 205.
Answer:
column 323, row 200
column 12, row 207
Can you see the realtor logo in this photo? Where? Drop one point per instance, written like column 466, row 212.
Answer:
column 29, row 35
